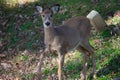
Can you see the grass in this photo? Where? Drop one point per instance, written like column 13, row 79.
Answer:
column 106, row 49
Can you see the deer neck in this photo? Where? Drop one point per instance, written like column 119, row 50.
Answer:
column 49, row 34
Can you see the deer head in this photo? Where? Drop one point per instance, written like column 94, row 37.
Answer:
column 47, row 13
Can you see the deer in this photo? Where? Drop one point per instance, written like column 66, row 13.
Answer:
column 73, row 34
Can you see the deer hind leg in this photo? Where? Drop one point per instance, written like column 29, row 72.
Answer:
column 93, row 66
column 86, row 58
column 87, row 47
column 90, row 50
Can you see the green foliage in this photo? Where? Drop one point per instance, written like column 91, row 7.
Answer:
column 116, row 20
column 24, row 57
column 72, row 68
column 106, row 33
column 28, row 76
column 26, row 26
column 116, row 43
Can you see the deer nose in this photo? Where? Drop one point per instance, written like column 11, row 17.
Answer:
column 47, row 23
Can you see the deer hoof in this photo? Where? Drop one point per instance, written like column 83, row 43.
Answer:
column 82, row 77
column 94, row 76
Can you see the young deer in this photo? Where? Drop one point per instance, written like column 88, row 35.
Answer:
column 74, row 33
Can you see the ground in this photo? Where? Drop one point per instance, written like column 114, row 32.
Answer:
column 21, row 40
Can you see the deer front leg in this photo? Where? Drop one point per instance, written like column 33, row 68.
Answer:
column 60, row 65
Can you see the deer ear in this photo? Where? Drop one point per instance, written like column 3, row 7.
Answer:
column 55, row 8
column 39, row 9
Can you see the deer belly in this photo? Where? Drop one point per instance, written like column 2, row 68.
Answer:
column 73, row 47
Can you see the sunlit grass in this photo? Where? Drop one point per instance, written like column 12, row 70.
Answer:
column 13, row 3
